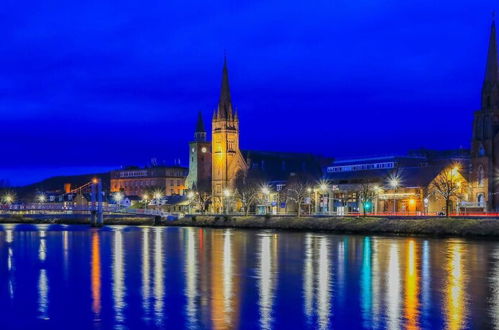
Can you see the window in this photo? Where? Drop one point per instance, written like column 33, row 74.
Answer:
column 481, row 200
column 481, row 151
column 481, row 176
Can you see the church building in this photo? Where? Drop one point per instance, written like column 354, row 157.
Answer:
column 485, row 140
column 222, row 157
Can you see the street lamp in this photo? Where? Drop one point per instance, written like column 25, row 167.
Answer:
column 42, row 198
column 227, row 194
column 266, row 193
column 190, row 196
column 394, row 183
column 145, row 198
column 118, row 198
column 322, row 189
column 8, row 198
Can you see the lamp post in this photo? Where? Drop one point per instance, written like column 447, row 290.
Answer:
column 118, row 198
column 309, row 190
column 157, row 196
column 266, row 193
column 225, row 203
column 394, row 183
column 145, row 198
column 190, row 196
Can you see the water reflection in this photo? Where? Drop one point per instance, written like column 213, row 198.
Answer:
column 159, row 277
column 317, row 280
column 95, row 267
column 224, row 306
column 366, row 282
column 43, row 286
column 393, row 288
column 455, row 300
column 411, row 286
column 267, row 278
column 146, row 273
column 494, row 285
column 118, row 277
column 191, row 273
column 229, row 279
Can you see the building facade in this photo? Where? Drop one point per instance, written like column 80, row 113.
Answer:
column 227, row 160
column 135, row 181
column 400, row 184
column 485, row 139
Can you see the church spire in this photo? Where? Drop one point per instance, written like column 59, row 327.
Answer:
column 491, row 71
column 225, row 104
column 200, row 133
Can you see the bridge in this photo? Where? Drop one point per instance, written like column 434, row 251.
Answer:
column 94, row 210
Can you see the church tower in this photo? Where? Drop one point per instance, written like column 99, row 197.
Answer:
column 227, row 160
column 199, row 178
column 485, row 140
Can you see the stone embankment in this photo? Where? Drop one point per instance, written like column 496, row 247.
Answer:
column 472, row 227
column 466, row 227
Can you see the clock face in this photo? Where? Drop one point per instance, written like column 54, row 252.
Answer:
column 193, row 150
column 203, row 149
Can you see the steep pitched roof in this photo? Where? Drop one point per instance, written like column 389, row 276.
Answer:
column 225, row 110
column 491, row 69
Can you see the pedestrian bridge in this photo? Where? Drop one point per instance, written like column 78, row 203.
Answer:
column 40, row 211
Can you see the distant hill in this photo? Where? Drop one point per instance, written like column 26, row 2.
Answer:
column 56, row 183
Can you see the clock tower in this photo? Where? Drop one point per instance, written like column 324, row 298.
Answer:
column 199, row 178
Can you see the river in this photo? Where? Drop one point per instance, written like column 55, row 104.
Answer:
column 116, row 277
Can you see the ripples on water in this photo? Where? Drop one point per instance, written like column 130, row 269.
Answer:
column 74, row 277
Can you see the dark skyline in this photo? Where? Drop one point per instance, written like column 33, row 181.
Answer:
column 88, row 88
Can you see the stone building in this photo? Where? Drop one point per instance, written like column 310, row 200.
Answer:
column 227, row 160
column 485, row 139
column 199, row 178
column 135, row 181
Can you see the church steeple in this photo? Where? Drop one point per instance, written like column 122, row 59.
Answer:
column 200, row 133
column 491, row 71
column 491, row 79
column 225, row 110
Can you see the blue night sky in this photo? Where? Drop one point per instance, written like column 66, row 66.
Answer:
column 94, row 85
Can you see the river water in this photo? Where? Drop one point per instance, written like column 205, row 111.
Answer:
column 76, row 277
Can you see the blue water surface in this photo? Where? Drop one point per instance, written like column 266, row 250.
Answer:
column 76, row 277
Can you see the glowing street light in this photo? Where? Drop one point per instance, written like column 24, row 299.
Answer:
column 42, row 198
column 394, row 182
column 158, row 195
column 227, row 193
column 8, row 198
column 145, row 198
column 190, row 194
column 118, row 197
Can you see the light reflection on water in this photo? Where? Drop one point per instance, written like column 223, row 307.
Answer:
column 153, row 277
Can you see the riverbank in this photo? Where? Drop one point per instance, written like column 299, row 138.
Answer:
column 352, row 225
column 463, row 227
column 57, row 219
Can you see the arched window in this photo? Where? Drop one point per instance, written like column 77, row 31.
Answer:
column 481, row 200
column 481, row 151
column 481, row 175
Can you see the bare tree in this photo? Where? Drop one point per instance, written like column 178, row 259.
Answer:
column 202, row 194
column 367, row 194
column 447, row 185
column 248, row 189
column 297, row 192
